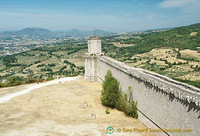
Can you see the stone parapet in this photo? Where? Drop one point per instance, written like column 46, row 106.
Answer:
column 180, row 90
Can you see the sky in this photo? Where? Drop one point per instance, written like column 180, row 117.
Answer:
column 108, row 15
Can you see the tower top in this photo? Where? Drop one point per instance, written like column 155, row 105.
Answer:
column 94, row 38
column 94, row 45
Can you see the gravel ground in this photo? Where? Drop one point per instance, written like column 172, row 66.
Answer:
column 70, row 108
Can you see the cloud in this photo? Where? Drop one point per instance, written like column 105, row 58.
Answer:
column 176, row 3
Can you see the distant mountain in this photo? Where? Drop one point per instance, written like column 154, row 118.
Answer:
column 45, row 33
column 41, row 32
column 76, row 32
column 159, row 29
column 29, row 32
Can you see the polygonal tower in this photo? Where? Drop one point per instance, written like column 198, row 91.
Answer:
column 94, row 50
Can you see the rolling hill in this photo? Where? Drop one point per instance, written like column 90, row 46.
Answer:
column 45, row 33
column 187, row 37
column 172, row 53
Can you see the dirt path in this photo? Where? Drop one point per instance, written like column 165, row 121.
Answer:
column 63, row 110
column 9, row 94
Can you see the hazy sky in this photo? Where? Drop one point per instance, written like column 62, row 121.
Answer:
column 109, row 15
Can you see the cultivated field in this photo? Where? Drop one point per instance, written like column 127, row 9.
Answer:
column 166, row 61
column 49, row 61
column 118, row 44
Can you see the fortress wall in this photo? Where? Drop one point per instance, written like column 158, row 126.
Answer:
column 90, row 67
column 168, row 103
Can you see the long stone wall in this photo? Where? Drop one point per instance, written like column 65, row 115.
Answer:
column 162, row 102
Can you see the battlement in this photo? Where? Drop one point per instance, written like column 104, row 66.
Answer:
column 94, row 38
column 94, row 45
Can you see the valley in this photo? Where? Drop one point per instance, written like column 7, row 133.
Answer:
column 173, row 53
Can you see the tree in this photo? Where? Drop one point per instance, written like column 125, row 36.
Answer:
column 13, row 81
column 179, row 55
column 131, row 109
column 111, row 92
column 1, row 84
column 112, row 96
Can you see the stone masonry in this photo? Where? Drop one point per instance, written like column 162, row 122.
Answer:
column 163, row 103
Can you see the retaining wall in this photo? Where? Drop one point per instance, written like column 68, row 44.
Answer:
column 162, row 102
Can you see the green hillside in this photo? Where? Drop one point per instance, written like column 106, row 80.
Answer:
column 135, row 49
column 175, row 52
column 43, row 63
column 176, row 38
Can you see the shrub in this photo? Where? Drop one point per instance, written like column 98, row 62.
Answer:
column 71, row 64
column 112, row 96
column 9, row 59
column 110, row 93
column 135, row 60
column 81, row 68
column 131, row 109
column 107, row 111
column 41, row 65
column 46, row 69
column 162, row 69
column 36, row 62
column 179, row 55
column 122, row 103
column 64, row 67
column 49, row 78
column 13, row 81
column 1, row 84
column 170, row 65
column 179, row 63
column 52, row 65
column 31, row 80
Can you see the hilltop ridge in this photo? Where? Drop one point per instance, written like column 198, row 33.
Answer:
column 172, row 53
column 45, row 33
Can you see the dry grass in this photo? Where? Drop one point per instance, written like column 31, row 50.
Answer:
column 77, row 61
column 58, row 110
column 80, row 54
column 190, row 54
column 193, row 34
column 122, row 37
column 118, row 44
column 159, row 55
